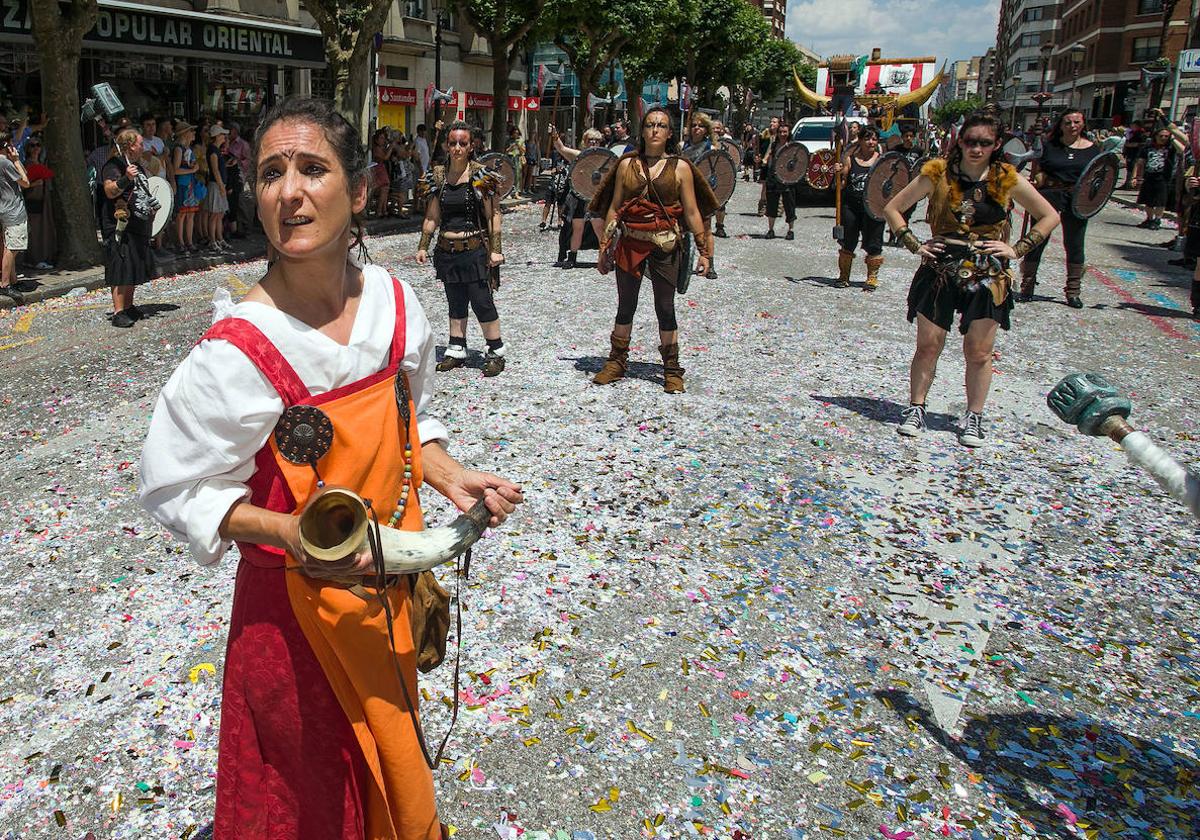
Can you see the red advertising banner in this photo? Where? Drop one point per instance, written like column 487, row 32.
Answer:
column 397, row 95
column 515, row 103
column 479, row 101
column 532, row 103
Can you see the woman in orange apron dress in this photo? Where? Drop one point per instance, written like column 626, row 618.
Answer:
column 318, row 740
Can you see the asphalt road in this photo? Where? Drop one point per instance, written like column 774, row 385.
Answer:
column 751, row 610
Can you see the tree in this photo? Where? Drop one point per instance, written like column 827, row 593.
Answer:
column 949, row 112
column 718, row 34
column 657, row 53
column 594, row 34
column 58, row 30
column 767, row 70
column 349, row 28
column 504, row 24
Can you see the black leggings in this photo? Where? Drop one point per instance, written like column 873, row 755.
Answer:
column 658, row 266
column 788, row 194
column 479, row 295
column 1074, row 231
column 857, row 223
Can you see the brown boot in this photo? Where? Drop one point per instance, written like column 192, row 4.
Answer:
column 873, row 264
column 618, row 359
column 1028, row 281
column 672, row 372
column 1071, row 289
column 845, row 263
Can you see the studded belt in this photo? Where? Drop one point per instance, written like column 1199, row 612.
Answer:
column 456, row 246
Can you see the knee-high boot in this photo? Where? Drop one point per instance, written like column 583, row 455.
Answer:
column 873, row 264
column 1071, row 290
column 672, row 372
column 618, row 360
column 1028, row 281
column 845, row 263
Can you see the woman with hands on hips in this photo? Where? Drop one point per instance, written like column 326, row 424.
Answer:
column 465, row 211
column 965, row 266
column 318, row 739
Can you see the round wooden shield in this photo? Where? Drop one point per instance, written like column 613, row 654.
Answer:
column 888, row 176
column 789, row 164
column 161, row 190
column 820, row 169
column 1096, row 185
column 718, row 168
column 914, row 168
column 502, row 166
column 735, row 151
column 589, row 170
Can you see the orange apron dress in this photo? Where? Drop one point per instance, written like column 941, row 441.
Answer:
column 317, row 742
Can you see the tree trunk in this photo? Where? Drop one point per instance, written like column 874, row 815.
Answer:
column 500, row 65
column 633, row 101
column 59, row 40
column 350, row 78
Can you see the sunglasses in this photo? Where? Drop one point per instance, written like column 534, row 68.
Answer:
column 976, row 143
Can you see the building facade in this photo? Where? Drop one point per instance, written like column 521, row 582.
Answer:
column 775, row 11
column 1103, row 49
column 1026, row 37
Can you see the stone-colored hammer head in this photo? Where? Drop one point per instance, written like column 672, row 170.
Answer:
column 1086, row 400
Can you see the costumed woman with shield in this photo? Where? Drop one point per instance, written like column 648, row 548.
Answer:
column 1065, row 157
column 644, row 198
column 856, row 221
column 468, row 254
column 777, row 190
column 316, row 384
column 964, row 267
column 575, row 212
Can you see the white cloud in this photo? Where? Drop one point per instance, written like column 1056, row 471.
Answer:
column 948, row 29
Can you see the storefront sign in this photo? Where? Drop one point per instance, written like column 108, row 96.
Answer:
column 397, row 95
column 1189, row 61
column 515, row 103
column 141, row 28
column 532, row 103
column 480, row 101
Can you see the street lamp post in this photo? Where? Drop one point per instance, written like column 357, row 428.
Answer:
column 1041, row 96
column 1077, row 53
column 1015, row 81
column 437, row 63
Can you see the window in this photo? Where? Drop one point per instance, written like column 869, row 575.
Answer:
column 395, row 72
column 1145, row 49
column 1032, row 65
column 1036, row 13
column 1150, row 7
column 414, row 8
column 1031, row 39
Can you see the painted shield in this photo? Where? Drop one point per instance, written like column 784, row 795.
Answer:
column 820, row 169
column 161, row 190
column 1014, row 146
column 735, row 151
column 501, row 166
column 718, row 168
column 887, row 177
column 687, row 263
column 1096, row 185
column 589, row 170
column 914, row 168
column 789, row 164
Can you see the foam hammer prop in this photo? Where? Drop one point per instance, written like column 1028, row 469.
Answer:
column 1089, row 402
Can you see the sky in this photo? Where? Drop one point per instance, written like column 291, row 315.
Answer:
column 901, row 28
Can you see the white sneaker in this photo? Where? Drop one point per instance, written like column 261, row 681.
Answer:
column 913, row 422
column 972, row 430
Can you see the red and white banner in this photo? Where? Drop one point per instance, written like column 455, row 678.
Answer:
column 893, row 78
column 532, row 103
column 480, row 101
column 397, row 95
column 515, row 103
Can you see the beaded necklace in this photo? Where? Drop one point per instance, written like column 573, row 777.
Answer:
column 405, row 407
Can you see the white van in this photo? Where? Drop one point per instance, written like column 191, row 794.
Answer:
column 816, row 132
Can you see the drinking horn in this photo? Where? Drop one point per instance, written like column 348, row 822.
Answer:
column 334, row 528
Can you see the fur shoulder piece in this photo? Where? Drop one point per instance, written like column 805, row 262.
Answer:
column 485, row 180
column 934, row 169
column 1003, row 178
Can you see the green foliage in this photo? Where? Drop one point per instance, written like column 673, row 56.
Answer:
column 503, row 22
column 718, row 34
column 948, row 112
column 767, row 69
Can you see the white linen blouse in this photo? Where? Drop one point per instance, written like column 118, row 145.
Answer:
column 217, row 410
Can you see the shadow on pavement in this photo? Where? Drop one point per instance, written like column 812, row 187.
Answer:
column 813, row 280
column 636, row 370
column 887, row 411
column 1057, row 770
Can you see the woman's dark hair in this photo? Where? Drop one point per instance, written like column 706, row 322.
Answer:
column 339, row 133
column 1056, row 132
column 672, row 140
column 954, row 159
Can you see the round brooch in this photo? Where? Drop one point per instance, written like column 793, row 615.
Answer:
column 304, row 434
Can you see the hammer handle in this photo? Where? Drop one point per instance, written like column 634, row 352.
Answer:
column 1169, row 473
